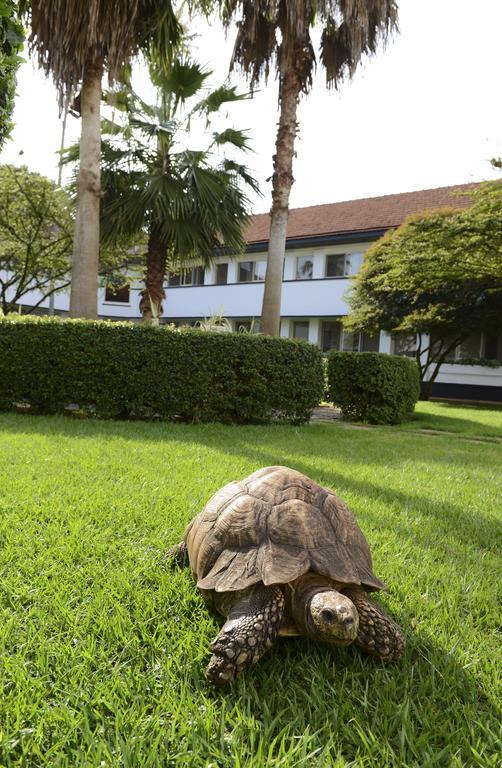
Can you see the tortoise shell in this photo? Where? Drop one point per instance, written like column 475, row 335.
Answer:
column 273, row 527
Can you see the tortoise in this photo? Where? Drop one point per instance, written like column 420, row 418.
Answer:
column 277, row 554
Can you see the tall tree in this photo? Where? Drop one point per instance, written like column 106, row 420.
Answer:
column 277, row 33
column 76, row 42
column 437, row 277
column 35, row 238
column 186, row 202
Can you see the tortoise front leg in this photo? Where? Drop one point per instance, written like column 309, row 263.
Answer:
column 251, row 628
column 378, row 634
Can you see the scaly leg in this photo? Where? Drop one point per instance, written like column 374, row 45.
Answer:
column 251, row 628
column 378, row 634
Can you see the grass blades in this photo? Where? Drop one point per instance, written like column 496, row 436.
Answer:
column 103, row 648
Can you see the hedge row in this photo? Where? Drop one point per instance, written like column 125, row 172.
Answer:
column 373, row 387
column 124, row 370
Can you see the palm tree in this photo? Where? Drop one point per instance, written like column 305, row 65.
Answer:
column 76, row 42
column 188, row 202
column 278, row 32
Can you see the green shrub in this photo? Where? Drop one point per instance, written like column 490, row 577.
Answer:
column 125, row 370
column 373, row 387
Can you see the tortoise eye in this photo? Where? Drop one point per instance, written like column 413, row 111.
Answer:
column 328, row 615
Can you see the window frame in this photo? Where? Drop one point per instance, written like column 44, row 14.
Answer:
column 253, row 263
column 218, row 266
column 182, row 277
column 297, row 272
column 411, row 352
column 347, row 261
column 300, row 322
column 324, row 324
column 115, row 301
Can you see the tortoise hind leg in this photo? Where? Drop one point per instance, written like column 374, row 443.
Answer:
column 378, row 634
column 250, row 630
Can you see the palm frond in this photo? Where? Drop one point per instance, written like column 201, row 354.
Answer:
column 159, row 32
column 118, row 98
column 192, row 198
column 154, row 129
column 110, row 127
column 183, row 79
column 239, row 139
column 69, row 36
column 223, row 95
column 352, row 31
column 349, row 31
column 241, row 173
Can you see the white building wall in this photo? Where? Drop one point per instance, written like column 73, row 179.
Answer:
column 318, row 297
column 472, row 375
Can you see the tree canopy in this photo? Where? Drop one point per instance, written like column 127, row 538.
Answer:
column 348, row 32
column 36, row 228
column 439, row 274
column 70, row 36
column 11, row 43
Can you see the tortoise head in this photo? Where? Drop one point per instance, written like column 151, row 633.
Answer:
column 322, row 612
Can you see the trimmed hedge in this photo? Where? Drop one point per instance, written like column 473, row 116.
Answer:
column 127, row 370
column 373, row 387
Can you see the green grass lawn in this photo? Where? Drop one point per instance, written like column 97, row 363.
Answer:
column 103, row 648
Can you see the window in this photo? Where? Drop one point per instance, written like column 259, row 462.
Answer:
column 492, row 346
column 260, row 268
column 350, row 342
column 369, row 343
column 117, row 294
column 245, row 271
column 404, row 344
column 477, row 345
column 304, row 268
column 334, row 337
column 301, row 329
column 338, row 265
column 221, row 274
column 470, row 347
column 331, row 335
column 194, row 276
column 250, row 271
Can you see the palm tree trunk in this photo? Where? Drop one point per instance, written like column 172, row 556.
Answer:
column 282, row 181
column 84, row 270
column 153, row 294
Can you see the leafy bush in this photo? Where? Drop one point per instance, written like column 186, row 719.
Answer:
column 373, row 387
column 124, row 370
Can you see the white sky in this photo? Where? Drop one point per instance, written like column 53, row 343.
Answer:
column 426, row 112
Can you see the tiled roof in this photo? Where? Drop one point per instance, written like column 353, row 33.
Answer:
column 359, row 215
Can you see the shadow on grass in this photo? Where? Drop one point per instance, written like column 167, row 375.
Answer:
column 453, row 424
column 450, row 518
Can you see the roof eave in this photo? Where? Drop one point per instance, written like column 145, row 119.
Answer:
column 331, row 238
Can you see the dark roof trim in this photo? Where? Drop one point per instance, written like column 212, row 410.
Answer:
column 316, row 240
